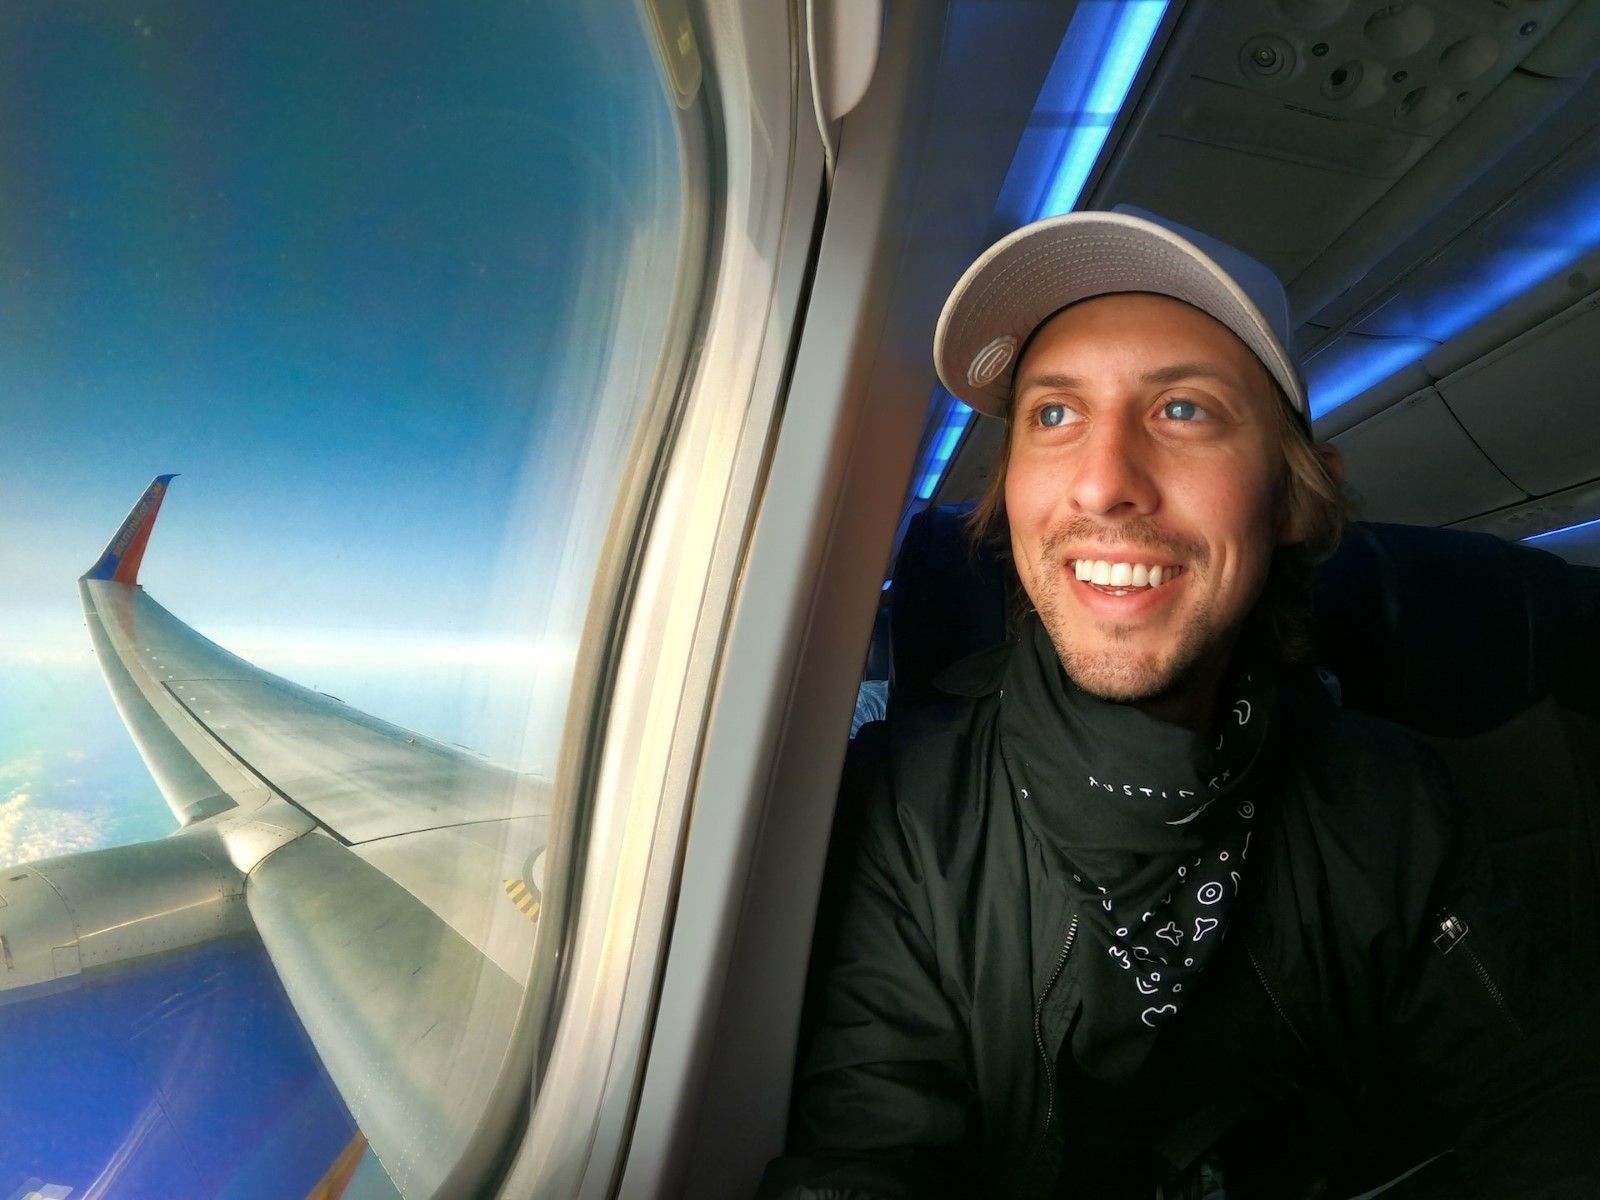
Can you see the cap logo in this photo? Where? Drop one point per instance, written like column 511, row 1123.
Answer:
column 990, row 362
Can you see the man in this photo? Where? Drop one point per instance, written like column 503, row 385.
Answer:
column 1136, row 910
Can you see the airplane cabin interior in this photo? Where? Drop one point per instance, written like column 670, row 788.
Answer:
column 1417, row 217
column 779, row 538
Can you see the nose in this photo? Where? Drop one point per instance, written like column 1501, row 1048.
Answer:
column 1113, row 476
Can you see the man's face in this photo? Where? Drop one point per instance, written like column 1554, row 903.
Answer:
column 1142, row 490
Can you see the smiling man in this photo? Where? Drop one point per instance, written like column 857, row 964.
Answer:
column 1142, row 492
column 1135, row 909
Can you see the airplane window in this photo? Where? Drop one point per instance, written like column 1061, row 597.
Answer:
column 380, row 297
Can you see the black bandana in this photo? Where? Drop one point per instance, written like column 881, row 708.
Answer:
column 1152, row 824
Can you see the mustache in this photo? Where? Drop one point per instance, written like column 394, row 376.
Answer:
column 1135, row 533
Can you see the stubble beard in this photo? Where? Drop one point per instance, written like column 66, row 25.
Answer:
column 1126, row 675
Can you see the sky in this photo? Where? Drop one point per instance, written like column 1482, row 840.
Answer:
column 315, row 260
column 70, row 778
column 387, row 288
column 353, row 271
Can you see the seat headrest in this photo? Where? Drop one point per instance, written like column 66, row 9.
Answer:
column 1453, row 633
column 948, row 600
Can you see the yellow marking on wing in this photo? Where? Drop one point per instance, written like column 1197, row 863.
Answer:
column 524, row 897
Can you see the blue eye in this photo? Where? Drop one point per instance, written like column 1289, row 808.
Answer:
column 1053, row 415
column 1182, row 410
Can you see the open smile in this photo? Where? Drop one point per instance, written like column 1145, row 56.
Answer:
column 1114, row 578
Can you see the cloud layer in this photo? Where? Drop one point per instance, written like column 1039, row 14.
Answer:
column 30, row 831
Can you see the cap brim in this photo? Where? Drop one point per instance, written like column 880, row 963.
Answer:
column 1024, row 278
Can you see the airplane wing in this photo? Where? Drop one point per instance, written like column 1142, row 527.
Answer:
column 386, row 873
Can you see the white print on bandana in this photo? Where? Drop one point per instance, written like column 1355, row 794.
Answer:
column 1191, row 816
column 1159, row 995
column 1130, row 789
column 1150, row 1015
column 1216, row 783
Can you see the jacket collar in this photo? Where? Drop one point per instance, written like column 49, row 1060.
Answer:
column 977, row 675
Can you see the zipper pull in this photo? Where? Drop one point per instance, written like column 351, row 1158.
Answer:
column 1451, row 931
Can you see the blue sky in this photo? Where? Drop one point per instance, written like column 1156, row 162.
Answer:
column 336, row 266
column 355, row 271
column 314, row 258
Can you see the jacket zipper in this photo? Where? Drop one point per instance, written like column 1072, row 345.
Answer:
column 1038, row 1026
column 1273, row 996
column 1452, row 935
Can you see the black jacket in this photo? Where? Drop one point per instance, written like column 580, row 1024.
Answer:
column 1373, row 1005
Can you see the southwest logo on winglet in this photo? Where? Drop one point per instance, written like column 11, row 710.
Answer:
column 120, row 560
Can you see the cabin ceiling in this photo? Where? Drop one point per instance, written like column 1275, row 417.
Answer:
column 1324, row 135
column 1379, row 156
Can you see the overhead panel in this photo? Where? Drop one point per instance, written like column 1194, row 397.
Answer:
column 1270, row 208
column 1352, row 94
column 1558, row 515
column 1532, row 405
column 1541, row 230
column 1413, row 464
column 1550, row 223
column 1565, row 524
column 1309, row 132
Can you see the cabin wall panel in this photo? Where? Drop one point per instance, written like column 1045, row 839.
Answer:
column 1413, row 464
column 1534, row 405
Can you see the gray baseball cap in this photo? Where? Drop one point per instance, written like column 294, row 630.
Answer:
column 1030, row 275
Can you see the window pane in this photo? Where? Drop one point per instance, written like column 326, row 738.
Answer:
column 391, row 288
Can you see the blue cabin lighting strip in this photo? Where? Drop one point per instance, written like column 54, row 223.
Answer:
column 1105, row 45
column 1539, row 537
column 942, row 448
column 1538, row 236
column 1353, row 364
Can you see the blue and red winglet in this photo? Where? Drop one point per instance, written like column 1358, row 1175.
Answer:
column 121, row 558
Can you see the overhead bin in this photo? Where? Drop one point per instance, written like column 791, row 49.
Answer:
column 1413, row 464
column 1533, row 405
column 1539, row 519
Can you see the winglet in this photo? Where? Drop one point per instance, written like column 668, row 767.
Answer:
column 121, row 558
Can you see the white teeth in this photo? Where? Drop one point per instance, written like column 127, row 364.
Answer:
column 1104, row 573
